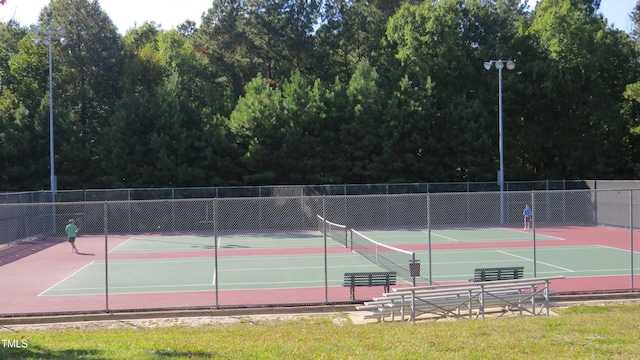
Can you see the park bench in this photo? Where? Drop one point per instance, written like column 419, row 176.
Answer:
column 385, row 278
column 498, row 273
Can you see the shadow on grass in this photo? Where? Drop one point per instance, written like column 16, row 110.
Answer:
column 183, row 354
column 38, row 352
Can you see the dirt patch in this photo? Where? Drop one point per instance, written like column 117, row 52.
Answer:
column 197, row 321
column 337, row 317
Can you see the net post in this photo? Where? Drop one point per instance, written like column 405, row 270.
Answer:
column 350, row 232
column 346, row 237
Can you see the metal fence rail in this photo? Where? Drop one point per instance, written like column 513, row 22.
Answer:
column 297, row 190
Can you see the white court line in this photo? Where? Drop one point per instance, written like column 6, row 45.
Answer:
column 467, row 262
column 537, row 262
column 445, row 237
column 230, row 286
column 547, row 237
column 319, row 267
column 614, row 248
column 134, row 292
column 124, row 242
column 111, row 287
column 158, row 261
column 61, row 281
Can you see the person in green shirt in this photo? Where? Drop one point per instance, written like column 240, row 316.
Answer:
column 72, row 231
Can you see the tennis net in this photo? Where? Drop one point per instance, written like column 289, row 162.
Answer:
column 403, row 262
column 337, row 232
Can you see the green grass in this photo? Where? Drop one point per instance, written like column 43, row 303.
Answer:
column 580, row 332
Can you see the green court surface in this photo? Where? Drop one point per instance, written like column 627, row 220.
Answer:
column 198, row 274
column 443, row 236
column 272, row 240
column 574, row 261
column 151, row 243
column 303, row 271
column 164, row 243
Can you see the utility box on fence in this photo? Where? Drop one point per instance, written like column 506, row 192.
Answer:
column 414, row 268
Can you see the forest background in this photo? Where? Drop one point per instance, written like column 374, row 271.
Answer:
column 267, row 92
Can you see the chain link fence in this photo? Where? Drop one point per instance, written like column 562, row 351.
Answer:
column 215, row 243
column 297, row 190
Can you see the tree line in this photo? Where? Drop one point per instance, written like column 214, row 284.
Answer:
column 321, row 92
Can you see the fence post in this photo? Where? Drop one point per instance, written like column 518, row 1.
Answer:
column 173, row 210
column 533, row 230
column 631, row 234
column 324, row 235
column 429, row 236
column 216, row 238
column 106, row 255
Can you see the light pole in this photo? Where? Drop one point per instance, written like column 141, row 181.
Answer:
column 52, row 35
column 500, row 64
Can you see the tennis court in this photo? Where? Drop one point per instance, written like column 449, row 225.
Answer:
column 186, row 270
column 276, row 261
column 282, row 250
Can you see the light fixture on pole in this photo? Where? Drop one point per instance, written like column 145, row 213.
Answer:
column 500, row 64
column 52, row 35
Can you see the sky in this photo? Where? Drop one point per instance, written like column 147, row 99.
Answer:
column 615, row 11
column 127, row 14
